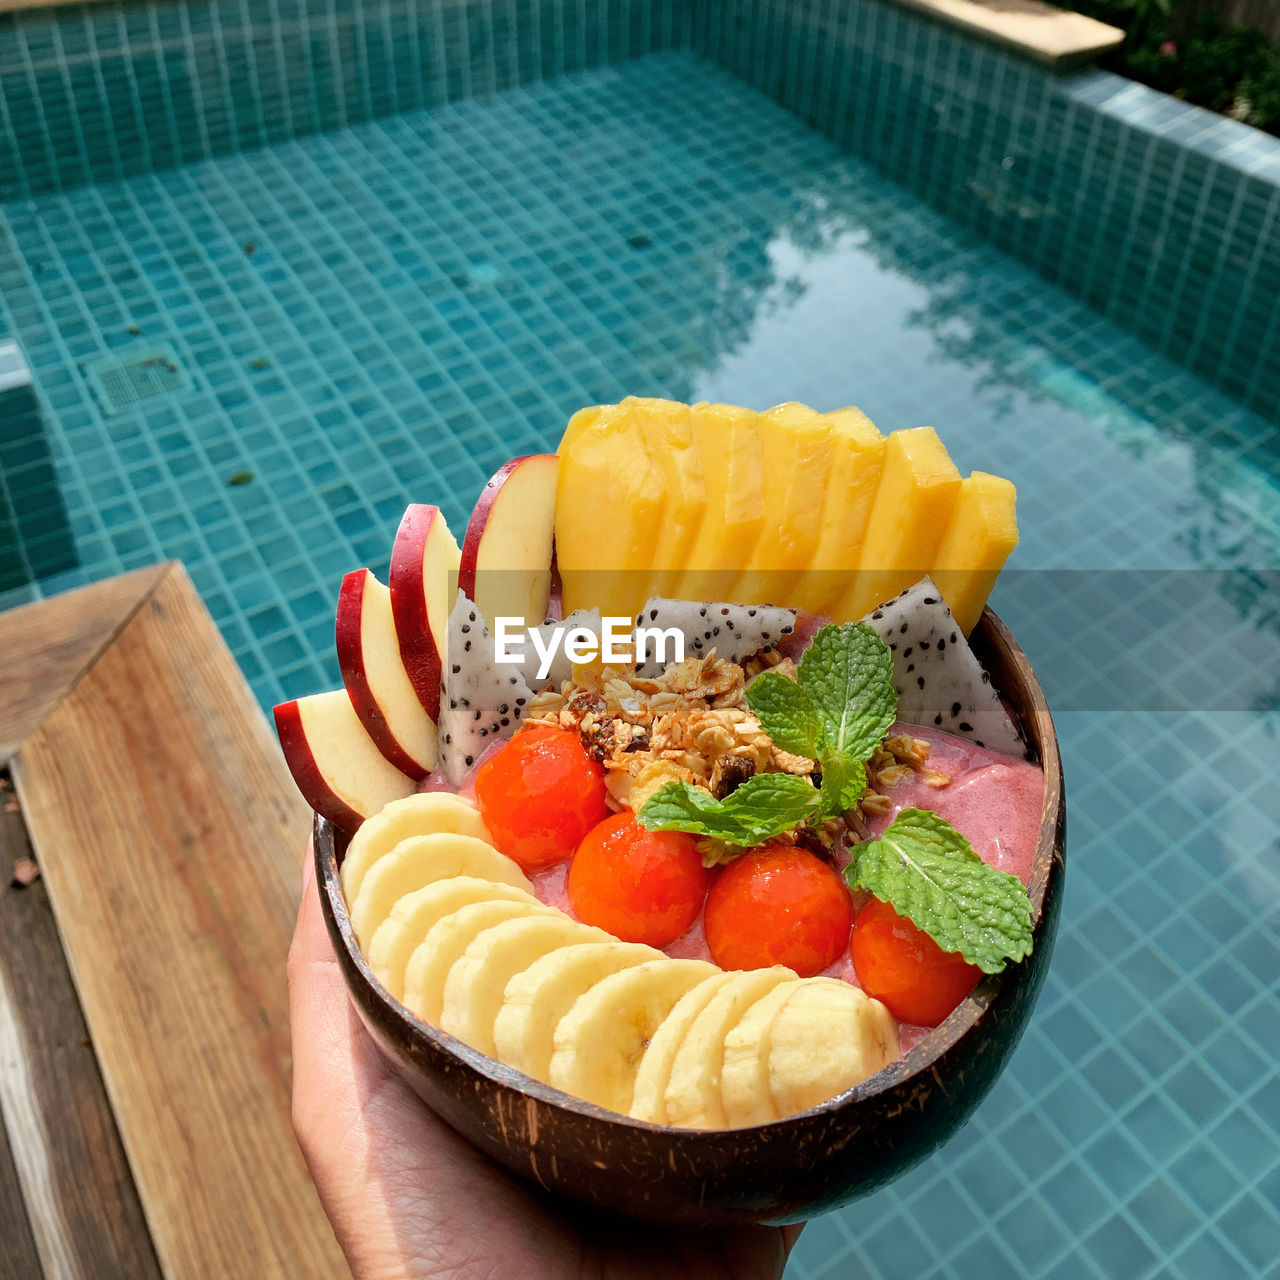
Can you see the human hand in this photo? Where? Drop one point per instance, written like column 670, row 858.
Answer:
column 410, row 1199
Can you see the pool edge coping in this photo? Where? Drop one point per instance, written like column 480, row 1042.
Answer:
column 1057, row 38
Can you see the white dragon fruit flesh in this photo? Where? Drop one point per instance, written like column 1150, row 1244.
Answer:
column 480, row 700
column 734, row 631
column 938, row 679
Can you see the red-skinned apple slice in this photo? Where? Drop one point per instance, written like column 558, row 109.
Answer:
column 372, row 670
column 424, row 559
column 506, row 555
column 339, row 771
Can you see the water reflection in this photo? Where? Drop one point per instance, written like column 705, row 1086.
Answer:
column 862, row 296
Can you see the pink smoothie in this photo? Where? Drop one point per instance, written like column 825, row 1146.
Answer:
column 993, row 800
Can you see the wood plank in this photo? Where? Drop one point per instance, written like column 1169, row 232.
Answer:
column 170, row 837
column 48, row 645
column 18, row 1258
column 1041, row 31
column 83, row 1213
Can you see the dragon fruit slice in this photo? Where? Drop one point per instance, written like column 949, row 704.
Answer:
column 480, row 699
column 561, row 668
column 938, row 680
column 734, row 631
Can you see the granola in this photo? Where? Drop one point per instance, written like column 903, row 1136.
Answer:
column 691, row 723
column 895, row 760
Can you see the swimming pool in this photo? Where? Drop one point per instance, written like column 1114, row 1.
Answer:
column 385, row 311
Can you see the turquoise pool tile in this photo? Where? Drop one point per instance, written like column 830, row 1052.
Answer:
column 1072, row 1267
column 1031, row 1145
column 1120, row 1164
column 893, row 1247
column 1032, row 1233
column 1114, row 1078
column 1252, row 1146
column 1119, row 1249
column 1163, row 1215
column 1253, row 1228
column 1209, row 1254
column 987, row 1257
column 92, row 95
column 1207, row 1180
column 1162, row 1130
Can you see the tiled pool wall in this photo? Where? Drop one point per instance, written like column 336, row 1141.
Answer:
column 35, row 537
column 1162, row 216
column 95, row 92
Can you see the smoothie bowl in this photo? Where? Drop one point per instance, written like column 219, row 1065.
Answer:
column 734, row 932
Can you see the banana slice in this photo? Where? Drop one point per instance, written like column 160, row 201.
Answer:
column 648, row 1102
column 416, row 815
column 826, row 1038
column 536, row 999
column 446, row 940
column 474, row 989
column 744, row 1078
column 413, row 915
column 600, row 1041
column 419, row 861
column 692, row 1095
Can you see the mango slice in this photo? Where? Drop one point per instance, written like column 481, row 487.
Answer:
column 796, row 450
column 728, row 444
column 611, row 502
column 667, row 427
column 982, row 533
column 913, row 506
column 789, row 507
column 856, row 466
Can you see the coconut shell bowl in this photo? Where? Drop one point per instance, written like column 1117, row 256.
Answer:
column 785, row 1171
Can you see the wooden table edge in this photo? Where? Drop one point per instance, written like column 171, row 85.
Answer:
column 53, row 648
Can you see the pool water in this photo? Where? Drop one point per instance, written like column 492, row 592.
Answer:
column 383, row 314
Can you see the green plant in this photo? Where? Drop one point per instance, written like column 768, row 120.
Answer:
column 1185, row 49
column 1258, row 98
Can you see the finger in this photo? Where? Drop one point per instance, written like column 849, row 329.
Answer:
column 335, row 1065
column 310, row 937
column 337, row 1069
column 308, row 866
column 388, row 1171
column 790, row 1234
column 319, row 1025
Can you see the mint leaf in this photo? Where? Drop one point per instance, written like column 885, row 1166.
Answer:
column 927, row 871
column 848, row 674
column 761, row 807
column 786, row 713
column 843, row 782
column 836, row 712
